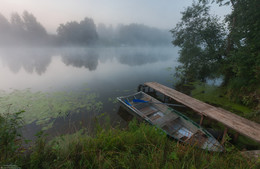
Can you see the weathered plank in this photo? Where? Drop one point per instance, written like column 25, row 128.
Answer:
column 241, row 125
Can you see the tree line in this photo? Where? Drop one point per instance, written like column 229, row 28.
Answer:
column 21, row 29
column 229, row 48
column 26, row 30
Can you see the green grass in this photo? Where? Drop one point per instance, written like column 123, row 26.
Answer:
column 217, row 96
column 137, row 146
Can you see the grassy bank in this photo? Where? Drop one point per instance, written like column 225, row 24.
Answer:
column 137, row 146
column 218, row 97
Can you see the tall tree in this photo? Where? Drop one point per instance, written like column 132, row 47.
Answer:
column 201, row 39
column 78, row 33
column 17, row 24
column 4, row 24
column 4, row 30
column 204, row 45
column 244, row 54
column 27, row 30
column 32, row 26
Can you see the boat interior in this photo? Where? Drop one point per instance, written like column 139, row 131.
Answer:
column 172, row 123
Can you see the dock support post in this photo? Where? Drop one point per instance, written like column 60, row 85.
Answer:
column 140, row 88
column 224, row 135
column 236, row 137
column 201, row 119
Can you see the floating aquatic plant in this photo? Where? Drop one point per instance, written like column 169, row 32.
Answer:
column 42, row 107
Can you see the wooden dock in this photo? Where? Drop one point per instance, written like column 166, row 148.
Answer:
column 230, row 120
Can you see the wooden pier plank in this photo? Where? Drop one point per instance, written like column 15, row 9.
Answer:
column 231, row 120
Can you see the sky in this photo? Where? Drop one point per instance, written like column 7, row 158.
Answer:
column 162, row 14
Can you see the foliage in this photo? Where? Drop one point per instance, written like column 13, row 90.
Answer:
column 132, row 35
column 208, row 48
column 138, row 146
column 22, row 30
column 10, row 137
column 244, row 55
column 217, row 96
column 138, row 34
column 26, row 30
column 83, row 33
column 201, row 39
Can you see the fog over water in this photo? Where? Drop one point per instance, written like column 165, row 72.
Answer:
column 161, row 14
column 39, row 66
column 66, row 61
column 70, row 75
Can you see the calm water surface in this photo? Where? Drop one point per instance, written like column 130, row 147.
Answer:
column 40, row 74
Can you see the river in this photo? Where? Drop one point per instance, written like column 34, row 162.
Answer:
column 63, row 89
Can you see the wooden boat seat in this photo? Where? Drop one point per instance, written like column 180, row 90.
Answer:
column 165, row 119
column 148, row 111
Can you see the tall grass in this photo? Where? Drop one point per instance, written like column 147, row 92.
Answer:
column 10, row 137
column 138, row 146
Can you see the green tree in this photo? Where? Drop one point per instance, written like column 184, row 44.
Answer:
column 4, row 24
column 26, row 30
column 17, row 24
column 4, row 30
column 244, row 54
column 201, row 38
column 32, row 26
column 78, row 33
column 208, row 48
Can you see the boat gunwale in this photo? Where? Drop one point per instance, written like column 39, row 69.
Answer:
column 179, row 114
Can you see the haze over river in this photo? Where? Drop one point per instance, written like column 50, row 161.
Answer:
column 61, row 89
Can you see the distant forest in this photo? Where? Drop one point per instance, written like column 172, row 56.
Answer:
column 25, row 30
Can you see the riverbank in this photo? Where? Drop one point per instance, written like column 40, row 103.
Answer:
column 137, row 146
column 217, row 96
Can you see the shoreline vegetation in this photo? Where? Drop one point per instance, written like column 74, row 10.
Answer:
column 24, row 30
column 139, row 145
column 228, row 49
column 215, row 95
column 209, row 49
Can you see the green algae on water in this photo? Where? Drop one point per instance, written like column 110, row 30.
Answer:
column 42, row 107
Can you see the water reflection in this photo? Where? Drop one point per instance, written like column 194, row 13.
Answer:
column 138, row 59
column 81, row 58
column 38, row 59
column 108, row 72
column 31, row 60
column 126, row 116
column 141, row 56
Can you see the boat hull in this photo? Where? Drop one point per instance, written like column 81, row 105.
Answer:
column 172, row 122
